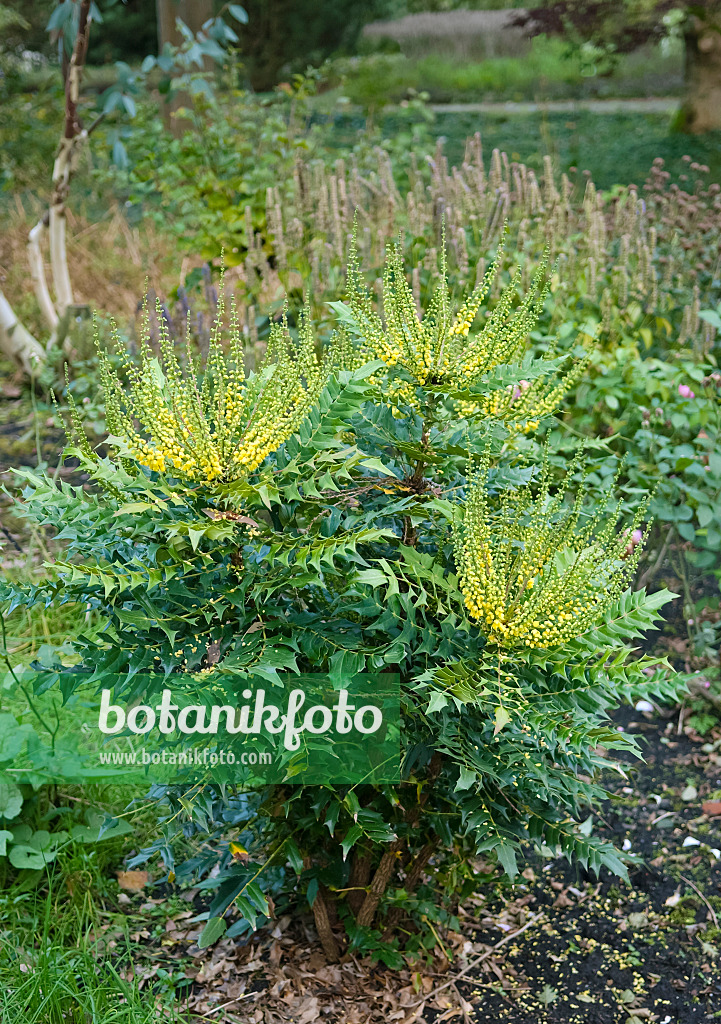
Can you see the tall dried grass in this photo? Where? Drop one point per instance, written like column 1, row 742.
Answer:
column 110, row 262
column 657, row 247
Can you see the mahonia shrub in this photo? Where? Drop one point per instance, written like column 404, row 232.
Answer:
column 373, row 508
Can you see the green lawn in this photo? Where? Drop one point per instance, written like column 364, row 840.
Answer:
column 615, row 148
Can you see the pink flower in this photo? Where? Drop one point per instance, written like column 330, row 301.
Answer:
column 637, row 536
column 685, row 391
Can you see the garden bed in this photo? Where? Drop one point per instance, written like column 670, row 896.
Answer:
column 589, row 951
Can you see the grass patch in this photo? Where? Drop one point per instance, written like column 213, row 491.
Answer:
column 56, row 979
column 547, row 72
column 616, row 148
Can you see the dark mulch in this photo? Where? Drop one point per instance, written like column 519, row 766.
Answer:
column 606, row 952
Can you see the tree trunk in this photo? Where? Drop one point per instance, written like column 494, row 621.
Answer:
column 413, row 879
column 383, row 875
column 322, row 918
column 37, row 272
column 360, row 876
column 17, row 342
column 193, row 12
column 70, row 144
column 701, row 110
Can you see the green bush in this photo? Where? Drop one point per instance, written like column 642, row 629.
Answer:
column 637, row 268
column 405, row 520
column 285, row 36
column 222, row 184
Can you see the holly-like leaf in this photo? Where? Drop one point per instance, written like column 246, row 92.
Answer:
column 214, row 929
column 500, row 718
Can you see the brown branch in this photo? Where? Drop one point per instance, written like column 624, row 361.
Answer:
column 94, row 124
column 434, row 766
column 411, row 883
column 360, row 873
column 383, row 875
column 415, row 872
column 410, row 534
column 321, row 916
column 652, row 570
column 418, row 866
column 74, row 71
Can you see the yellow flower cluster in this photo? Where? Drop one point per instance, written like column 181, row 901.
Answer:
column 522, row 406
column 214, row 423
column 440, row 348
column 542, row 569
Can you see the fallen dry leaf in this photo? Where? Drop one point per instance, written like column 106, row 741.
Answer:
column 711, row 807
column 310, row 1011
column 209, row 971
column 133, row 881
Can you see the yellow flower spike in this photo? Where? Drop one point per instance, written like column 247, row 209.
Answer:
column 224, row 427
column 441, row 346
column 532, row 576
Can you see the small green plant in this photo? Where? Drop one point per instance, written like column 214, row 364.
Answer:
column 39, row 750
column 30, row 759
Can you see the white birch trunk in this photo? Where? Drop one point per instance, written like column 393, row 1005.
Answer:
column 37, row 271
column 59, row 259
column 17, row 342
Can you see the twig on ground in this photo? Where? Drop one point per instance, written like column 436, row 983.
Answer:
column 474, row 963
column 679, row 727
column 462, row 1004
column 697, row 890
column 223, row 1006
